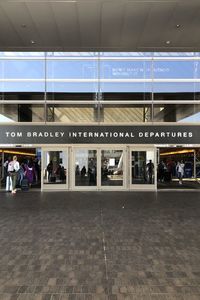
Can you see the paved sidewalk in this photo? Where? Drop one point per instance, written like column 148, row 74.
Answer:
column 100, row 246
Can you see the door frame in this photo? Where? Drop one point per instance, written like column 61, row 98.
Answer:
column 98, row 148
column 47, row 187
column 143, row 186
column 124, row 185
column 72, row 171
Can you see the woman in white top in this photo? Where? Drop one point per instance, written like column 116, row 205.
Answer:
column 15, row 165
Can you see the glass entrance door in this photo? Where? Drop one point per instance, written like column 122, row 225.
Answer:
column 112, row 168
column 85, row 167
column 98, row 168
column 142, row 168
column 55, row 169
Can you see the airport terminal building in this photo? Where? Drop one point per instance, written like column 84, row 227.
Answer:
column 104, row 120
column 104, row 102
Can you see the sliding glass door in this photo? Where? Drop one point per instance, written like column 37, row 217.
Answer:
column 55, row 169
column 98, row 168
column 85, row 167
column 142, row 168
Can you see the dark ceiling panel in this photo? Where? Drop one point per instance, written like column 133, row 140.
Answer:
column 156, row 28
column 21, row 21
column 66, row 18
column 89, row 18
column 188, row 16
column 44, row 21
column 133, row 25
column 8, row 33
column 112, row 21
column 99, row 25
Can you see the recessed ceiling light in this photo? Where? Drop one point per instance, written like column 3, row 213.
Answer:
column 178, row 25
column 32, row 42
column 168, row 42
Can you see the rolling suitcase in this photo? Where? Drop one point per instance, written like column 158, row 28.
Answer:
column 24, row 184
column 167, row 176
column 52, row 179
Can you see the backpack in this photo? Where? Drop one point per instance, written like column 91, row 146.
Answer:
column 10, row 166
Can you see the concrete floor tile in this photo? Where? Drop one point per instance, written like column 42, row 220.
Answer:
column 83, row 245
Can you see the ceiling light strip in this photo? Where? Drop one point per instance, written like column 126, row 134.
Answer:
column 17, row 152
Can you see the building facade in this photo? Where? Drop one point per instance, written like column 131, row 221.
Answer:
column 102, row 120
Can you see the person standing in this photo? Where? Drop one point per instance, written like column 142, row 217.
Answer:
column 161, row 171
column 50, row 170
column 30, row 173
column 8, row 165
column 13, row 173
column 180, row 170
column 6, row 172
column 150, row 170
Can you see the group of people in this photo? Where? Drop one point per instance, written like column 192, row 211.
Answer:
column 56, row 172
column 167, row 170
column 85, row 175
column 15, row 173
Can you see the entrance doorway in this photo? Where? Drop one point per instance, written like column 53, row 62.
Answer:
column 102, row 167
column 142, row 168
column 178, row 168
column 55, row 168
column 98, row 168
column 30, row 167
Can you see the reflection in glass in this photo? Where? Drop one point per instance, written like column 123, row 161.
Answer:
column 133, row 75
column 20, row 75
column 142, row 168
column 21, row 113
column 166, row 69
column 77, row 77
column 72, row 113
column 55, row 171
column 112, row 167
column 173, row 90
column 72, row 78
column 126, row 113
column 177, row 113
column 85, row 167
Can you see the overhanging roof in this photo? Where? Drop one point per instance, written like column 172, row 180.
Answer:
column 100, row 25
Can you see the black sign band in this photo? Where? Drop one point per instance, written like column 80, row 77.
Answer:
column 63, row 134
